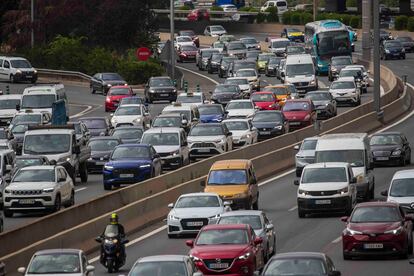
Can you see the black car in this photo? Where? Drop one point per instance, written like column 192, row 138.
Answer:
column 224, row 66
column 102, row 82
column 407, row 42
column 101, row 149
column 213, row 63
column 202, row 57
column 29, row 160
column 390, row 148
column 336, row 65
column 271, row 66
column 240, row 64
column 392, row 49
column 128, row 134
column 97, row 126
column 324, row 103
column 223, row 93
column 270, row 123
column 18, row 132
column 159, row 89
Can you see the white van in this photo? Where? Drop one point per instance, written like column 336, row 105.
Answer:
column 15, row 69
column 41, row 97
column 354, row 149
column 281, row 5
column 300, row 71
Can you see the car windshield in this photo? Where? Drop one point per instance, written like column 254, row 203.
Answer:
column 20, row 63
column 237, row 125
column 405, row 39
column 25, row 162
column 280, row 91
column 161, row 139
column 227, row 177
column 55, row 264
column 119, row 91
column 216, row 28
column 341, row 61
column 264, row 57
column 295, row 266
column 236, row 46
column 343, row 85
column 167, row 122
column 111, row 77
column 295, row 50
column 227, row 89
column 47, row 143
column 274, row 117
column 38, row 101
column 385, row 140
column 244, row 65
column 353, row 157
column 159, row 268
column 155, row 82
column 318, row 96
column 237, row 81
column 348, row 73
column 208, row 54
column 251, row 55
column 299, row 69
column 132, row 100
column 222, row 236
column 197, row 202
column 120, row 153
column 392, row 44
column 94, row 123
column 253, row 221
column 296, row 106
column 262, row 97
column 35, row 176
column 183, row 113
column 189, row 99
column 249, row 40
column 211, row 110
column 207, row 130
column 184, row 39
column 218, row 44
column 280, row 44
column 103, row 144
column 309, row 145
column 21, row 128
column 128, row 111
column 240, row 105
column 133, row 133
column 216, row 57
column 186, row 33
column 375, row 214
column 320, row 175
column 9, row 104
column 246, row 73
column 403, row 187
column 25, row 118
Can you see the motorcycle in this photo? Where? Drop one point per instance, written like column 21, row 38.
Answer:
column 112, row 252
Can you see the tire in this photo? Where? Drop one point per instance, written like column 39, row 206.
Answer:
column 172, row 236
column 58, row 203
column 301, row 213
column 346, row 257
column 92, row 90
column 71, row 200
column 348, row 209
column 372, row 193
column 83, row 172
column 8, row 213
column 12, row 80
column 107, row 187
column 255, row 205
column 110, row 267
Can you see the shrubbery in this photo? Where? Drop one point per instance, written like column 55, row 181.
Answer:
column 272, row 16
column 296, row 17
column 401, row 22
column 410, row 24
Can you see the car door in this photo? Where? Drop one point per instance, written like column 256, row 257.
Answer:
column 68, row 186
column 156, row 161
column 6, row 69
column 84, row 261
column 97, row 82
column 2, row 73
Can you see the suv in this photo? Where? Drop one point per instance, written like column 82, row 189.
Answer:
column 190, row 113
column 337, row 64
column 326, row 187
column 401, row 190
column 37, row 188
column 160, row 88
column 17, row 69
column 344, row 90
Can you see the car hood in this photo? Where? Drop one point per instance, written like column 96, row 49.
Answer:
column 299, row 78
column 295, row 115
column 401, row 200
column 7, row 112
column 163, row 88
column 126, row 118
column 224, row 95
column 341, row 91
column 320, row 103
column 384, row 147
column 309, row 153
column 115, row 82
column 239, row 133
column 323, row 186
column 225, row 251
column 374, row 227
column 263, row 104
column 265, row 124
column 97, row 154
column 192, row 139
column 128, row 163
column 211, row 118
column 226, row 190
column 118, row 97
column 191, row 53
column 240, row 112
column 166, row 149
column 24, row 186
column 204, row 212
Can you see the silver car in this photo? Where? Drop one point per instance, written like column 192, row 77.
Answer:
column 344, row 90
column 305, row 154
column 324, row 103
column 236, row 49
column 165, row 265
column 244, row 133
column 192, row 211
column 261, row 225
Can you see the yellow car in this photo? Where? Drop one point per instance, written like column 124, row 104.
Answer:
column 281, row 92
column 235, row 182
column 262, row 61
column 293, row 34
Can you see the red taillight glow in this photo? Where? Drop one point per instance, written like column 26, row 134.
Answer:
column 108, row 99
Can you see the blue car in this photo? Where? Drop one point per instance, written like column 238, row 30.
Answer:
column 130, row 164
column 211, row 113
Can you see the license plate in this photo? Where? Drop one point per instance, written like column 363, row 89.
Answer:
column 98, row 163
column 26, row 201
column 301, row 91
column 203, row 150
column 219, row 265
column 126, row 175
column 322, row 202
column 382, row 158
column 195, row 223
column 294, row 123
column 373, row 245
column 164, row 95
column 29, row 76
column 265, row 132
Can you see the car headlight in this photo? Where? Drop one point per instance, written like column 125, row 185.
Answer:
column 221, row 141
column 244, row 256
column 278, row 127
column 312, row 82
column 396, row 231
column 63, row 159
column 174, row 153
column 223, row 68
column 351, row 232
column 194, row 258
column 246, row 136
column 35, row 71
column 109, row 168
column 175, row 91
column 387, row 51
column 48, row 190
column 343, row 191
column 303, row 192
column 137, row 120
column 396, row 152
column 151, row 91
column 108, row 84
column 18, row 71
column 145, row 166
column 171, row 217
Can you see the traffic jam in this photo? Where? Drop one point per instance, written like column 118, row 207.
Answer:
column 263, row 93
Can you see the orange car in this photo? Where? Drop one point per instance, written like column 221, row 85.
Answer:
column 281, row 92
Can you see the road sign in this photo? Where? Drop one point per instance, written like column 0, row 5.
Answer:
column 143, row 53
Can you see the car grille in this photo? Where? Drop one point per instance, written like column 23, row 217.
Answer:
column 218, row 264
column 203, row 145
column 300, row 84
column 126, row 171
column 185, row 226
column 27, row 192
column 381, row 153
column 164, row 154
column 323, row 193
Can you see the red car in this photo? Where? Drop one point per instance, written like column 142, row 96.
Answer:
column 299, row 112
column 377, row 228
column 198, row 15
column 265, row 100
column 191, row 34
column 227, row 249
column 114, row 96
column 186, row 53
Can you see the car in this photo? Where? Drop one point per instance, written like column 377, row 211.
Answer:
column 191, row 34
column 224, row 93
column 390, row 148
column 270, row 123
column 189, row 113
column 180, row 41
column 211, row 113
column 213, row 63
column 361, row 80
column 186, row 53
column 235, row 181
column 243, row 132
column 251, row 43
column 38, row 188
column 265, row 100
column 401, row 190
column 131, row 115
column 40, row 118
column 198, row 15
column 101, row 149
column 252, row 55
column 324, row 103
column 218, row 45
column 97, row 126
column 165, row 265
column 305, row 154
column 129, row 164
column 301, row 263
column 243, row 83
column 300, row 71
column 8, row 104
column 392, row 49
column 344, row 90
column 281, row 70
column 171, row 120
column 295, row 50
column 203, row 56
column 214, row 31
column 102, row 82
column 235, row 49
column 224, row 66
column 407, row 42
column 193, row 211
column 114, row 96
column 208, row 139
column 81, row 131
column 280, row 5
column 252, row 76
column 299, row 112
column 293, row 34
column 292, row 91
column 133, row 100
column 326, row 187
column 128, row 134
column 7, row 137
column 227, row 248
column 191, row 98
column 7, row 160
column 226, row 38
column 377, row 228
column 29, row 160
column 58, row 262
column 240, row 64
column 160, row 89
column 278, row 46
column 17, row 69
column 272, row 66
column 337, row 64
column 240, row 109
column 229, row 8
column 262, row 61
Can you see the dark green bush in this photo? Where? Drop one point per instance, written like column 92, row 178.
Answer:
column 260, row 18
column 295, row 19
column 216, row 8
column 410, row 24
column 286, row 16
column 99, row 60
column 351, row 3
column 306, row 18
column 272, row 16
column 355, row 21
column 401, row 22
column 137, row 72
column 244, row 9
column 184, row 8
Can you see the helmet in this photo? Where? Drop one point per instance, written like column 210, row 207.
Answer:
column 114, row 218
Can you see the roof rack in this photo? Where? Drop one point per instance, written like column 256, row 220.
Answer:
column 68, row 126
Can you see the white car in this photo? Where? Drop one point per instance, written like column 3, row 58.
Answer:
column 243, row 83
column 278, row 46
column 240, row 109
column 345, row 90
column 39, row 188
column 229, row 8
column 190, row 98
column 215, row 31
column 182, row 41
column 40, row 118
column 131, row 115
column 251, row 75
column 8, row 105
column 219, row 45
column 192, row 211
column 243, row 132
column 401, row 190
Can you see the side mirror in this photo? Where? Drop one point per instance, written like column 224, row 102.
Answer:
column 98, row 239
column 384, row 193
column 296, row 147
column 21, row 270
column 353, row 180
column 76, row 149
column 344, row 219
column 258, row 240
column 269, row 227
column 9, row 168
column 171, row 205
column 296, row 182
column 190, row 243
column 203, row 183
column 90, row 268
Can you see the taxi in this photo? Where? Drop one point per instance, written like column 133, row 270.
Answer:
column 262, row 61
column 281, row 92
column 293, row 34
column 191, row 98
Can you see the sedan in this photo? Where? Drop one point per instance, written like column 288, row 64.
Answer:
column 164, row 265
column 251, row 43
column 227, row 249
column 392, row 49
column 265, row 100
column 377, row 228
column 240, row 109
column 198, row 15
column 102, row 82
column 115, row 95
column 270, row 123
column 186, row 53
column 243, row 84
column 128, row 134
column 183, row 41
column 243, row 132
column 224, row 93
column 236, row 49
column 101, row 149
column 261, row 225
column 192, row 211
column 160, row 88
column 324, row 103
column 215, row 31
column 407, row 42
column 98, row 126
column 191, row 34
column 271, row 66
column 300, row 113
column 390, row 148
column 211, row 113
column 213, row 63
column 131, row 115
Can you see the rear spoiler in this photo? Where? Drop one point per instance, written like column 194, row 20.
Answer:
column 68, row 126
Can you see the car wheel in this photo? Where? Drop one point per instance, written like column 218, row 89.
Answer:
column 255, row 205
column 92, row 90
column 107, row 187
column 301, row 213
column 8, row 213
column 71, row 200
column 172, row 236
column 58, row 203
column 12, row 79
column 402, row 161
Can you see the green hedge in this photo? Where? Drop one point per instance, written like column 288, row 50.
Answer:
column 272, row 16
column 216, row 8
column 296, row 17
column 260, row 18
column 401, row 22
column 410, row 24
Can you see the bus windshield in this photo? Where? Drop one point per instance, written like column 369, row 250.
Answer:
column 333, row 43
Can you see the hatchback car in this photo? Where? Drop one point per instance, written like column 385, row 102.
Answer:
column 186, row 53
column 392, row 49
column 324, row 103
column 390, row 148
column 243, row 131
column 115, row 95
column 101, row 149
column 265, row 100
column 164, row 265
column 211, row 113
column 270, row 123
column 300, row 113
column 102, row 82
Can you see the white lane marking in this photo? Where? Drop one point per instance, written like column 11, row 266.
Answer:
column 198, row 74
column 293, row 208
column 162, row 228
column 267, row 181
column 81, row 189
column 338, row 239
column 87, row 110
column 322, row 84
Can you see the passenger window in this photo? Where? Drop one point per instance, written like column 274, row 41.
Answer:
column 63, row 173
column 6, row 64
column 1, row 63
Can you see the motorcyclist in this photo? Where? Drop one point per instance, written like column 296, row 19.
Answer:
column 114, row 227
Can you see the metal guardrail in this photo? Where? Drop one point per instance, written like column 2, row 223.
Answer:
column 62, row 73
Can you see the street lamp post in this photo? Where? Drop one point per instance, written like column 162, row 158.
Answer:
column 32, row 23
column 377, row 65
column 172, row 51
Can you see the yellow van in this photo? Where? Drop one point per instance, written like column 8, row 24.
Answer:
column 234, row 181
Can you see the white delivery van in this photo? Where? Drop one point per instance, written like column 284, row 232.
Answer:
column 281, row 5
column 16, row 69
column 354, row 149
column 300, row 71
